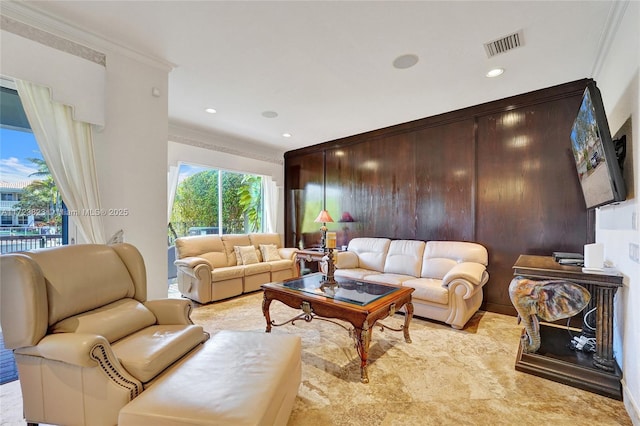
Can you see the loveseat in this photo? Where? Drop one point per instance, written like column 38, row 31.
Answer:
column 447, row 275
column 213, row 267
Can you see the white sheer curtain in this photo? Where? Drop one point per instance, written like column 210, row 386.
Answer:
column 172, row 183
column 270, row 203
column 67, row 147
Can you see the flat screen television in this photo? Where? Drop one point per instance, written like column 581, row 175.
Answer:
column 595, row 153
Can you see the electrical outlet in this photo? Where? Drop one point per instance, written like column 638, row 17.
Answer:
column 634, row 252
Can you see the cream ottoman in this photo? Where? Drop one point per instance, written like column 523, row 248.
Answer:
column 236, row 378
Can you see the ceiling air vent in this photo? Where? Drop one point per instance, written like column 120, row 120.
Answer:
column 504, row 44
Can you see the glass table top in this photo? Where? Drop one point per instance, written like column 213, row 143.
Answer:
column 351, row 291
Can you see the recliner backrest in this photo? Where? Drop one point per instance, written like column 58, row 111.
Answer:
column 209, row 247
column 42, row 287
column 441, row 256
column 404, row 257
column 371, row 252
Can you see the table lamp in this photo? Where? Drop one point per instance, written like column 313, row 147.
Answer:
column 323, row 218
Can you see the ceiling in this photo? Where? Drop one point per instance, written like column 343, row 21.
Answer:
column 326, row 68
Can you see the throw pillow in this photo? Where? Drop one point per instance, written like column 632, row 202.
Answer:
column 236, row 249
column 248, row 254
column 269, row 252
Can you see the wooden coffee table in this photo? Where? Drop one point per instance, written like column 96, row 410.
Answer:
column 358, row 302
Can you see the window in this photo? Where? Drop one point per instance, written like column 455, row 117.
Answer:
column 26, row 186
column 211, row 201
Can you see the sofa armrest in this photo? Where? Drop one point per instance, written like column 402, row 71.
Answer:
column 199, row 269
column 345, row 260
column 474, row 273
column 192, row 262
column 70, row 348
column 170, row 311
column 288, row 253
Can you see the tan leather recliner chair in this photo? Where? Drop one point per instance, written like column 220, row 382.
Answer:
column 85, row 339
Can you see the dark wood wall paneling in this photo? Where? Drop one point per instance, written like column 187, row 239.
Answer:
column 499, row 173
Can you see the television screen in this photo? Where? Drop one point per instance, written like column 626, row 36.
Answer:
column 594, row 152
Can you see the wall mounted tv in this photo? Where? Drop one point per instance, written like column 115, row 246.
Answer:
column 598, row 166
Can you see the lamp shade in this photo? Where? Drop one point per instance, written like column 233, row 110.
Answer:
column 346, row 217
column 323, row 217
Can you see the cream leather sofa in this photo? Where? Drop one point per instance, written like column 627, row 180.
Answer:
column 92, row 351
column 447, row 275
column 210, row 270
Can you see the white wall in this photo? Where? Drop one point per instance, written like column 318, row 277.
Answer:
column 618, row 81
column 131, row 157
column 131, row 148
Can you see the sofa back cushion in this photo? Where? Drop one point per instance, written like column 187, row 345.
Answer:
column 371, row 252
column 231, row 241
column 404, row 257
column 441, row 256
column 267, row 238
column 82, row 277
column 209, row 247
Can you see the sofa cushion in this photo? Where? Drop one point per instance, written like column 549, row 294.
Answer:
column 209, row 247
column 248, row 254
column 229, row 241
column 269, row 252
column 236, row 250
column 428, row 289
column 113, row 321
column 436, row 268
column 230, row 272
column 371, row 252
column 355, row 273
column 266, row 238
column 82, row 277
column 146, row 353
column 281, row 265
column 393, row 279
column 256, row 268
column 404, row 257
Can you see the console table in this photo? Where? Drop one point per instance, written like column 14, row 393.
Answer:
column 308, row 255
column 598, row 372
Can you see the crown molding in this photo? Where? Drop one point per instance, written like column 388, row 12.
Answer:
column 30, row 15
column 201, row 140
column 35, row 34
column 616, row 13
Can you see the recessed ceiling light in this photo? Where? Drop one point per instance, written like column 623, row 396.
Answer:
column 270, row 114
column 495, row 72
column 211, row 110
column 286, row 135
column 405, row 61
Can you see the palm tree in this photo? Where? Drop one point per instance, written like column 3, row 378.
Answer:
column 42, row 194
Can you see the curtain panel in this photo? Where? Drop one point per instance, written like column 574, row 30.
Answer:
column 270, row 203
column 67, row 148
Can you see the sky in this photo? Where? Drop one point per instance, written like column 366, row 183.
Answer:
column 15, row 148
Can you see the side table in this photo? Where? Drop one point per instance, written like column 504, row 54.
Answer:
column 599, row 372
column 308, row 255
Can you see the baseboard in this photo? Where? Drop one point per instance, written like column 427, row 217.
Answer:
column 630, row 404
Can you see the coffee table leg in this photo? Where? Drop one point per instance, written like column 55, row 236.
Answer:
column 407, row 319
column 363, row 339
column 266, row 302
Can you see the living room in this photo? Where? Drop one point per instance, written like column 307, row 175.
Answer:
column 133, row 113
